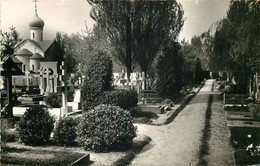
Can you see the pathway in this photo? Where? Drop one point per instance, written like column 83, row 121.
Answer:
column 177, row 143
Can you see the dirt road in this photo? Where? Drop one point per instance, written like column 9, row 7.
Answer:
column 178, row 143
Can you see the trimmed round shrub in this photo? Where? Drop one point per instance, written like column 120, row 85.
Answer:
column 35, row 126
column 53, row 100
column 65, row 132
column 106, row 128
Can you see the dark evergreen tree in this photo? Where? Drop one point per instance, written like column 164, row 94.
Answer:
column 169, row 70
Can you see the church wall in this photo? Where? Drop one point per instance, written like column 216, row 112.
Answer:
column 35, row 63
column 25, row 60
column 37, row 35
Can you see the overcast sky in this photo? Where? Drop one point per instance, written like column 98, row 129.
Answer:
column 70, row 16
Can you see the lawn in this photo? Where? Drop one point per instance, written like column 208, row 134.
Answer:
column 37, row 156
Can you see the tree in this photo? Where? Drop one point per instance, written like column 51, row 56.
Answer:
column 198, row 71
column 137, row 30
column 116, row 20
column 236, row 41
column 98, row 78
column 59, row 47
column 169, row 71
column 155, row 25
column 8, row 42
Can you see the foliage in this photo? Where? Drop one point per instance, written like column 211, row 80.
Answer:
column 71, row 96
column 53, row 100
column 137, row 30
column 199, row 76
column 8, row 130
column 35, row 126
column 123, row 99
column 98, row 79
column 169, row 71
column 236, row 41
column 59, row 47
column 106, row 128
column 8, row 42
column 65, row 132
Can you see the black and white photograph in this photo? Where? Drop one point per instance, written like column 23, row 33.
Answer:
column 130, row 82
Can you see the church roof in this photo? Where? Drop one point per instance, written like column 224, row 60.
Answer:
column 36, row 56
column 24, row 51
column 44, row 45
column 36, row 22
column 16, row 60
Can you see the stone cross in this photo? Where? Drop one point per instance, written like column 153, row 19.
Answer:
column 143, row 81
column 27, row 76
column 41, row 80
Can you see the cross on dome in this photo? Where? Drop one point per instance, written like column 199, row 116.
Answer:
column 35, row 5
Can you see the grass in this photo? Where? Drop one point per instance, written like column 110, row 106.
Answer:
column 24, row 156
column 204, row 147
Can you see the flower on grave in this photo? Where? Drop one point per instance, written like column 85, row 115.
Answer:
column 249, row 136
column 254, row 151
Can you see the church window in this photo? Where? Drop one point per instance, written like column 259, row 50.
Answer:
column 32, row 67
column 33, row 35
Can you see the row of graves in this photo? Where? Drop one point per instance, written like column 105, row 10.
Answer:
column 49, row 81
column 244, row 128
column 140, row 83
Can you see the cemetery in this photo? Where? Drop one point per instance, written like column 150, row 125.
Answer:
column 126, row 89
column 244, row 127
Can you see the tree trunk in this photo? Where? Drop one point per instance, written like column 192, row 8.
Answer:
column 9, row 107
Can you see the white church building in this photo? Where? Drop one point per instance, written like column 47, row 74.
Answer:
column 39, row 58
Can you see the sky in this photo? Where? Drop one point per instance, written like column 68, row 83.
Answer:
column 71, row 16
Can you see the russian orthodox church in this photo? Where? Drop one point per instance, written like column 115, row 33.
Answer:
column 39, row 58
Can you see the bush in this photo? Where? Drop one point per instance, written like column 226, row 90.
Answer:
column 35, row 126
column 8, row 135
column 53, row 100
column 65, row 132
column 106, row 128
column 123, row 99
column 98, row 78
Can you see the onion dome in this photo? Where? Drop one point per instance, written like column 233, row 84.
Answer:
column 36, row 56
column 24, row 52
column 36, row 22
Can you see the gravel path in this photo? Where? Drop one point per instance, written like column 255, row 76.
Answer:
column 177, row 143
